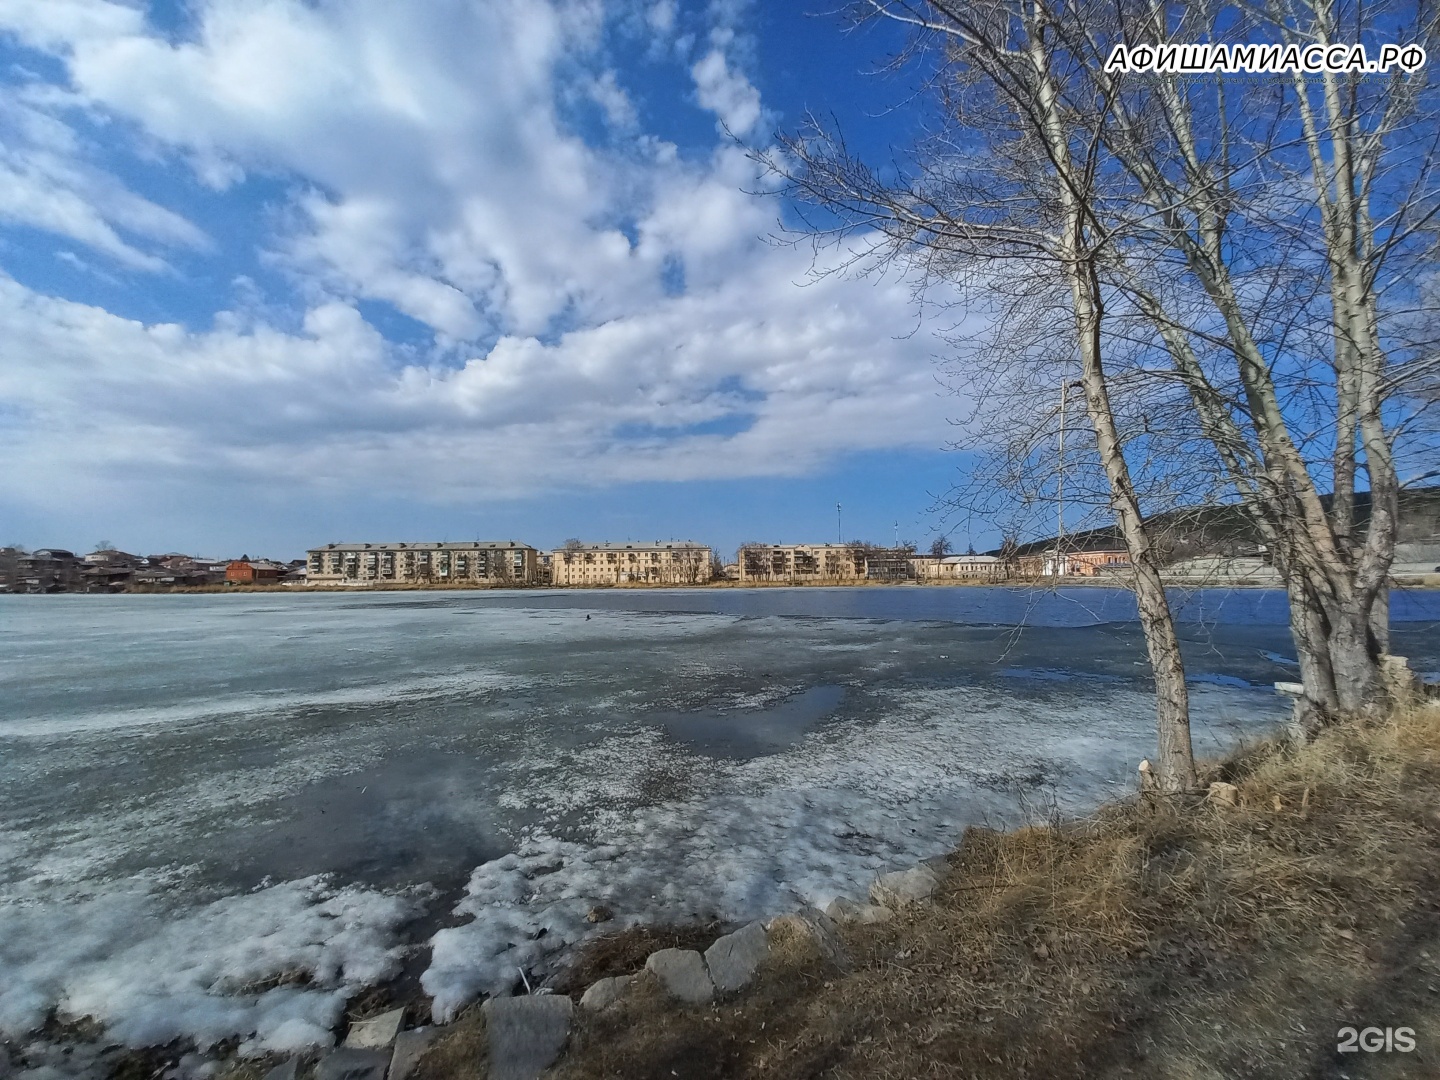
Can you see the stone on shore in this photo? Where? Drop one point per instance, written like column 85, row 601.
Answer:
column 842, row 909
column 376, row 1033
column 284, row 1071
column 605, row 992
column 734, row 958
column 352, row 1063
column 526, row 1034
column 1223, row 794
column 410, row 1047
column 682, row 973
column 813, row 925
column 904, row 887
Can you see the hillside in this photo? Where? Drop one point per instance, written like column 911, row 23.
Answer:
column 1224, row 530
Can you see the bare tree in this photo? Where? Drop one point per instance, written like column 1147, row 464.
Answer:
column 754, row 560
column 1011, row 182
column 1266, row 231
column 1240, row 258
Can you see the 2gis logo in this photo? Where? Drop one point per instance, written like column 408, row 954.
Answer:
column 1374, row 1040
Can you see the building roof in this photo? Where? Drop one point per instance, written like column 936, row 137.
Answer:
column 658, row 545
column 465, row 545
column 759, row 544
column 969, row 558
column 259, row 564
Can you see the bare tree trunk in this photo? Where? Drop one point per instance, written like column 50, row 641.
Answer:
column 1175, row 767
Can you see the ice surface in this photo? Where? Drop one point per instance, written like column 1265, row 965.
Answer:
column 174, row 787
column 152, row 975
column 755, row 838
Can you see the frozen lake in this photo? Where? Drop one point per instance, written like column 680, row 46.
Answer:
column 223, row 815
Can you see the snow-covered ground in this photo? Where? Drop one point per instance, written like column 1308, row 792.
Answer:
column 222, row 814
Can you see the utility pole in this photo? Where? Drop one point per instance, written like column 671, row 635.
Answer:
column 1060, row 472
column 1060, row 479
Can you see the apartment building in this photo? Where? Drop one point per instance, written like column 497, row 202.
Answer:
column 959, row 568
column 481, row 562
column 675, row 562
column 801, row 562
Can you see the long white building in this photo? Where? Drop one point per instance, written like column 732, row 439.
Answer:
column 482, row 562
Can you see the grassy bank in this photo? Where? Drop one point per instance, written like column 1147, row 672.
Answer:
column 1155, row 939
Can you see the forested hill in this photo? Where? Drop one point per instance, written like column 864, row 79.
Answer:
column 1224, row 530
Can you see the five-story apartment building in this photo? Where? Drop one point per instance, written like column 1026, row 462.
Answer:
column 674, row 562
column 480, row 562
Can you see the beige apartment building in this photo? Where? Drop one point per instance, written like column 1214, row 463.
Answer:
column 662, row 563
column 800, row 562
column 482, row 562
column 959, row 568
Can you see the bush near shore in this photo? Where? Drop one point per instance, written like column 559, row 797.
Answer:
column 1170, row 938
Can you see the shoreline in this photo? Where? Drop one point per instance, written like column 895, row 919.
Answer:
column 1419, row 582
column 1240, row 929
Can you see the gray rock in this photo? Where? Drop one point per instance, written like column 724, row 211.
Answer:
column 904, row 887
column 843, row 909
column 351, row 1063
column 410, row 1046
column 605, row 992
column 376, row 1033
column 816, row 927
column 526, row 1034
column 734, row 958
column 682, row 973
column 285, row 1071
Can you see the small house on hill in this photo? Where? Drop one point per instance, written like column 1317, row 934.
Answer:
column 247, row 571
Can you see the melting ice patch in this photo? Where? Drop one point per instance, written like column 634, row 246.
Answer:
column 580, row 759
column 274, row 966
column 659, row 834
column 263, row 703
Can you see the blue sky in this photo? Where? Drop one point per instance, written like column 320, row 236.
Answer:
column 275, row 273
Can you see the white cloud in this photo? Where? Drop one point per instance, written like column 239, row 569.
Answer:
column 430, row 164
column 606, row 91
column 53, row 24
column 727, row 93
column 47, row 183
column 661, row 17
column 435, row 135
column 810, row 371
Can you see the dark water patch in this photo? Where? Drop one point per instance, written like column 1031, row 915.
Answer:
column 413, row 817
column 749, row 733
column 999, row 605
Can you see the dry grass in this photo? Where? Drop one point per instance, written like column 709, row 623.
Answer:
column 1154, row 939
column 625, row 952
